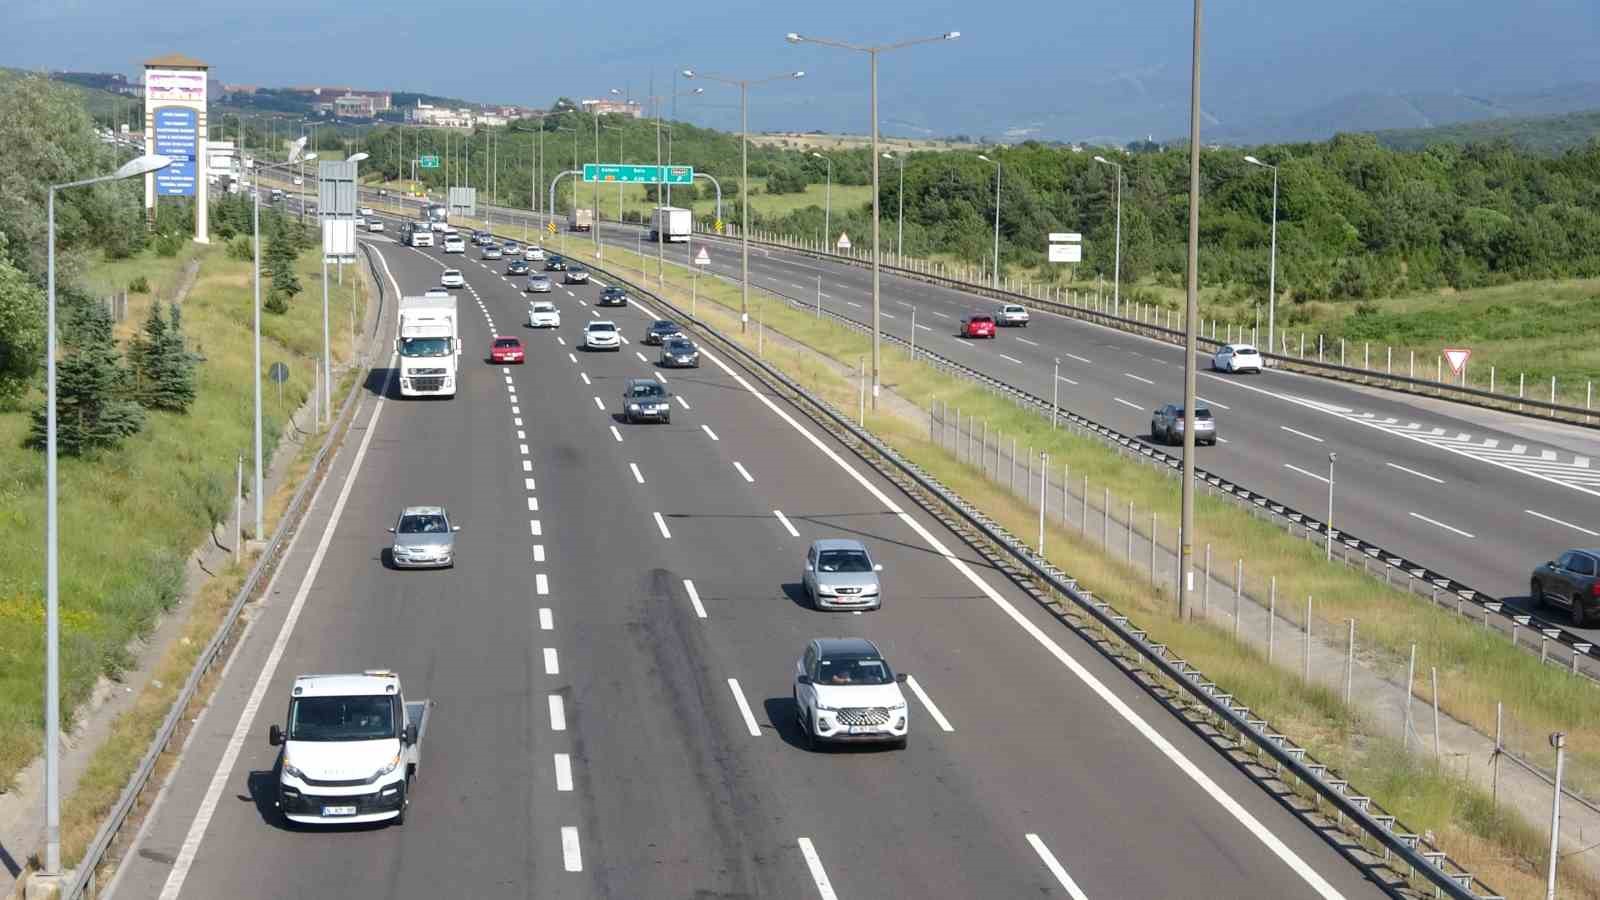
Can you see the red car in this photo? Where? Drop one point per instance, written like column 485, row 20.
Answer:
column 977, row 326
column 506, row 350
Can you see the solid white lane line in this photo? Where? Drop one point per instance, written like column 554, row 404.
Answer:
column 818, row 874
column 681, row 402
column 552, row 666
column 1320, row 478
column 1310, row 437
column 1056, row 869
column 710, row 433
column 600, row 403
column 534, row 528
column 538, row 553
column 1416, row 473
column 1212, row 402
column 616, row 434
column 571, row 854
column 541, row 584
column 1440, row 524
column 558, row 713
column 1559, row 522
column 694, row 598
column 637, row 475
column 1078, row 358
column 740, row 467
column 1137, row 377
column 744, row 708
column 1011, row 358
column 563, row 772
column 785, row 520
column 585, row 377
column 547, row 620
column 1127, row 404
column 1028, row 342
column 662, row 524
column 933, row 709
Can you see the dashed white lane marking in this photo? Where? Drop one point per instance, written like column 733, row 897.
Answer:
column 887, row 315
column 747, row 476
column 522, row 449
column 1137, row 377
column 547, row 620
column 710, row 433
column 1011, row 358
column 585, row 377
column 541, row 584
column 818, row 874
column 516, row 410
column 694, row 598
column 625, row 340
column 558, row 713
column 538, row 553
column 1320, row 478
column 1127, row 404
column 527, row 484
column 933, row 709
column 517, row 421
column 535, row 529
column 563, row 772
column 1415, row 472
column 616, row 434
column 641, row 357
column 1212, row 402
column 1078, row 358
column 744, row 708
column 573, row 357
column 1560, row 522
column 552, row 665
column 682, row 402
column 600, row 403
column 527, row 465
column 561, row 340
column 939, row 314
column 1440, row 524
column 571, row 854
column 505, row 370
column 1067, row 380
column 1028, row 342
column 533, row 504
column 637, row 475
column 853, row 303
column 660, row 377
column 1056, row 869
column 924, row 328
column 1309, row 437
column 786, row 524
column 662, row 524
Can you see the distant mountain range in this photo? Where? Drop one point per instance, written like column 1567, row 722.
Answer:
column 1539, row 134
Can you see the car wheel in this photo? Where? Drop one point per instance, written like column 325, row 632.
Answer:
column 1536, row 593
column 809, row 736
column 1579, row 619
column 666, row 419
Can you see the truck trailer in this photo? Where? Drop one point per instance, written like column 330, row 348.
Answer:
column 670, row 223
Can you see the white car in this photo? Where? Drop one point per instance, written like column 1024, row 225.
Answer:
column 1237, row 358
column 454, row 244
column 374, row 224
column 844, row 691
column 601, row 335
column 543, row 314
column 452, row 279
column 533, row 254
column 511, row 248
column 1013, row 314
column 366, row 210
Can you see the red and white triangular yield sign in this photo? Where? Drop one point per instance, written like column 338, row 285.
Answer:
column 1457, row 358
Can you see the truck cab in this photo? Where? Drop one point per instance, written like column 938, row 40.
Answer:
column 429, row 344
column 351, row 745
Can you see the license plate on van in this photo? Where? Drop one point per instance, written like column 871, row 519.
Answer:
column 338, row 810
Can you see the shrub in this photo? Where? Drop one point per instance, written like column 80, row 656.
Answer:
column 140, row 285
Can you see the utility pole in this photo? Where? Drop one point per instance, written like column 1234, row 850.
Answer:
column 1190, row 324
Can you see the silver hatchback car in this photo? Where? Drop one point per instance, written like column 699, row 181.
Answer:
column 840, row 574
column 424, row 539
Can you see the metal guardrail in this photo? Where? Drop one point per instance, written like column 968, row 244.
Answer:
column 84, row 882
column 1445, row 875
column 1422, row 387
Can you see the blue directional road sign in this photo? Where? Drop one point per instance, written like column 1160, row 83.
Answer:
column 626, row 174
column 178, row 138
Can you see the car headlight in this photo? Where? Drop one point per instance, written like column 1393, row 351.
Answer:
column 388, row 767
column 289, row 769
column 633, row 406
column 824, row 589
column 896, row 707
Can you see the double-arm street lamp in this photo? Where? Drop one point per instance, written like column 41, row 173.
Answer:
column 744, row 179
column 872, row 52
column 1272, row 271
column 994, row 274
column 142, row 165
column 1116, row 277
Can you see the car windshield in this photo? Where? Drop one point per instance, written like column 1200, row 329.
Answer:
column 1200, row 412
column 579, row 270
column 452, row 273
column 423, row 523
column 424, row 346
column 646, row 390
column 853, row 670
column 602, row 326
column 366, row 718
column 1244, row 351
column 543, row 307
column 981, row 320
column 680, row 346
column 844, row 561
column 664, row 326
column 1014, row 309
column 506, row 342
column 541, row 279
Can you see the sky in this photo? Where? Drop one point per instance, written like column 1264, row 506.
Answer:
column 1084, row 69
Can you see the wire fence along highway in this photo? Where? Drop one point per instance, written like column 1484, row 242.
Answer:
column 1382, row 845
column 1404, row 383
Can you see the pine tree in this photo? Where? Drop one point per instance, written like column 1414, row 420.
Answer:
column 92, row 406
column 280, row 255
column 174, row 386
column 145, row 352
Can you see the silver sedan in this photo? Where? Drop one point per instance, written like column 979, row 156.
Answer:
column 423, row 539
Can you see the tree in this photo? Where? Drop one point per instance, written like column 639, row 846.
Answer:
column 174, row 386
column 145, row 353
column 21, row 328
column 92, row 406
column 278, row 260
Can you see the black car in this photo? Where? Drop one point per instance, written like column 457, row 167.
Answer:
column 611, row 295
column 576, row 275
column 555, row 264
column 1572, row 581
column 643, row 399
column 679, row 352
column 660, row 330
column 517, row 267
column 479, row 238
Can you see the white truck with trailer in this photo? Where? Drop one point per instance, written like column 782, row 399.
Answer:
column 670, row 223
column 351, row 745
column 429, row 344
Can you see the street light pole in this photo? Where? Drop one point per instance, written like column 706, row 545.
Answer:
column 877, row 256
column 1272, row 270
column 1190, row 324
column 994, row 280
column 827, row 202
column 138, row 166
column 1329, row 529
column 1116, row 278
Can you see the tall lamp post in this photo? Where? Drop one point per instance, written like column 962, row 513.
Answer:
column 994, row 275
column 142, row 165
column 1190, row 325
column 900, row 224
column 872, row 52
column 1272, row 270
column 1116, row 276
column 675, row 95
column 744, row 180
column 827, row 202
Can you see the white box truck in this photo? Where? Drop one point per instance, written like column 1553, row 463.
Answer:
column 583, row 219
column 671, row 223
column 351, row 745
column 429, row 344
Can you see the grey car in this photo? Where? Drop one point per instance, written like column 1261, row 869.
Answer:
column 1571, row 580
column 679, row 351
column 646, row 400
column 1166, row 425
column 424, row 539
column 840, row 574
column 538, row 284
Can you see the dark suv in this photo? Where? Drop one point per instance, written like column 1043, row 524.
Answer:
column 643, row 399
column 1572, row 581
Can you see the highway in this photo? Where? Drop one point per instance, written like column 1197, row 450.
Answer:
column 611, row 663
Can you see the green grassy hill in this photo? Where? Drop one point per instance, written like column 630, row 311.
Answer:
column 1547, row 135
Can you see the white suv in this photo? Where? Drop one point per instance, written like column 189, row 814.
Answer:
column 844, row 691
column 1013, row 314
column 601, row 335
